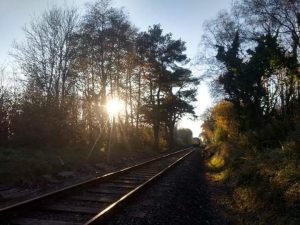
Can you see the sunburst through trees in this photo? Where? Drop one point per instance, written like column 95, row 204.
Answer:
column 82, row 70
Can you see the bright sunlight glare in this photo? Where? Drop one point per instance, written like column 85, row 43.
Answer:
column 114, row 107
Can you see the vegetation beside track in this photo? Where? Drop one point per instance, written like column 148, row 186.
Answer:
column 27, row 165
column 257, row 182
column 253, row 130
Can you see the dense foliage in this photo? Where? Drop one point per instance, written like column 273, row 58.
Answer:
column 74, row 64
column 253, row 130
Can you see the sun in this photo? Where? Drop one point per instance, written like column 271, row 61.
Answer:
column 114, row 107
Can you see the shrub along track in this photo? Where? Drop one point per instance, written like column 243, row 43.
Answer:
column 92, row 201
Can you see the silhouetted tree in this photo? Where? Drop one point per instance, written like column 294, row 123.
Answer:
column 256, row 20
column 4, row 109
column 180, row 93
column 162, row 55
column 243, row 81
column 184, row 136
column 45, row 58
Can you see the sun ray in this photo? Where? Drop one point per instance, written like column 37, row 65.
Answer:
column 114, row 107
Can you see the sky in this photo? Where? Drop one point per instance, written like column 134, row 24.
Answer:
column 183, row 18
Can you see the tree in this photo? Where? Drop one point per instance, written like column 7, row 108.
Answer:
column 4, row 109
column 46, row 58
column 256, row 20
column 73, row 65
column 180, row 93
column 243, row 81
column 225, row 118
column 208, row 126
column 220, row 123
column 162, row 55
column 105, row 45
column 184, row 136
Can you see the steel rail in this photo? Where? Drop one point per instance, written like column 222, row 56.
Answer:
column 104, row 214
column 15, row 209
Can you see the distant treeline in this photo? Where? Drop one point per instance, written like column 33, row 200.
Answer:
column 73, row 64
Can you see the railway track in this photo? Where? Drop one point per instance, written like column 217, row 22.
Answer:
column 92, row 201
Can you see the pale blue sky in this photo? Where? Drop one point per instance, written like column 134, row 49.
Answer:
column 183, row 18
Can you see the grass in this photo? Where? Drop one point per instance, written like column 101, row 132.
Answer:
column 27, row 165
column 264, row 185
column 19, row 164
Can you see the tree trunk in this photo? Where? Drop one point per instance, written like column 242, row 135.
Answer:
column 171, row 138
column 156, row 137
column 138, row 100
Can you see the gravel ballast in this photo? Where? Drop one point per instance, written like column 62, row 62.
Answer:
column 181, row 197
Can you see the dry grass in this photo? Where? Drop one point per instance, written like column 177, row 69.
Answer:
column 28, row 164
column 264, row 185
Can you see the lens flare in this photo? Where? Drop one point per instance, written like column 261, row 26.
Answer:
column 114, row 107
